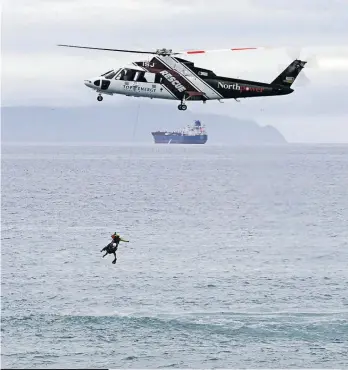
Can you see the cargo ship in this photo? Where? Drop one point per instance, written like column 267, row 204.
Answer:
column 195, row 134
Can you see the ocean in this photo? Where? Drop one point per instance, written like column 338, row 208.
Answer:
column 237, row 256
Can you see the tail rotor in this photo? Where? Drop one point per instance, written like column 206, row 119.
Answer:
column 297, row 53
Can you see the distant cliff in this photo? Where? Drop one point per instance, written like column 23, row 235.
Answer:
column 124, row 123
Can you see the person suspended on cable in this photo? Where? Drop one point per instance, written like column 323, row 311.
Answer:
column 111, row 248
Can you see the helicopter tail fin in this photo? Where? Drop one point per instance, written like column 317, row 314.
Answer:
column 290, row 73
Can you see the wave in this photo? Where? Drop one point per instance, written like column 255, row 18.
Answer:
column 307, row 326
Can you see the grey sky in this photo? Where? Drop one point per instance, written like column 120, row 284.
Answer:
column 36, row 72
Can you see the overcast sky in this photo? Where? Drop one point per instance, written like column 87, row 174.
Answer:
column 37, row 72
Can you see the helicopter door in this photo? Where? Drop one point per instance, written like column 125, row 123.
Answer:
column 105, row 84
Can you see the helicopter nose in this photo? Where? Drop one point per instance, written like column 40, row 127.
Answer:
column 93, row 83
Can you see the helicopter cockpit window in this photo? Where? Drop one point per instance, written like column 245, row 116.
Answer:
column 104, row 74
column 110, row 75
column 127, row 75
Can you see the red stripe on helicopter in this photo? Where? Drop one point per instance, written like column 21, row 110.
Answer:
column 207, row 51
column 196, row 52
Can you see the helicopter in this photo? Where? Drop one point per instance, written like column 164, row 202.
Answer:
column 167, row 76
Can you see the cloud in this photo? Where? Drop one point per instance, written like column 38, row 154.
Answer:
column 170, row 23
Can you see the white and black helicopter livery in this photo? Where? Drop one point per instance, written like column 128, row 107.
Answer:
column 167, row 76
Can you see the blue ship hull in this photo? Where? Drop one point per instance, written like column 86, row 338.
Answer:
column 179, row 139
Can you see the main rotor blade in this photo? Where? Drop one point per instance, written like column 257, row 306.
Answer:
column 217, row 50
column 165, row 51
column 120, row 50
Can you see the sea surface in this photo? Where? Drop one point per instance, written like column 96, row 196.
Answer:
column 237, row 256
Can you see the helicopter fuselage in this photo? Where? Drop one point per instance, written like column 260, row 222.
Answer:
column 167, row 77
column 228, row 88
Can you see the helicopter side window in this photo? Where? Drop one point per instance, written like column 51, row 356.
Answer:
column 140, row 77
column 150, row 77
column 127, row 75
